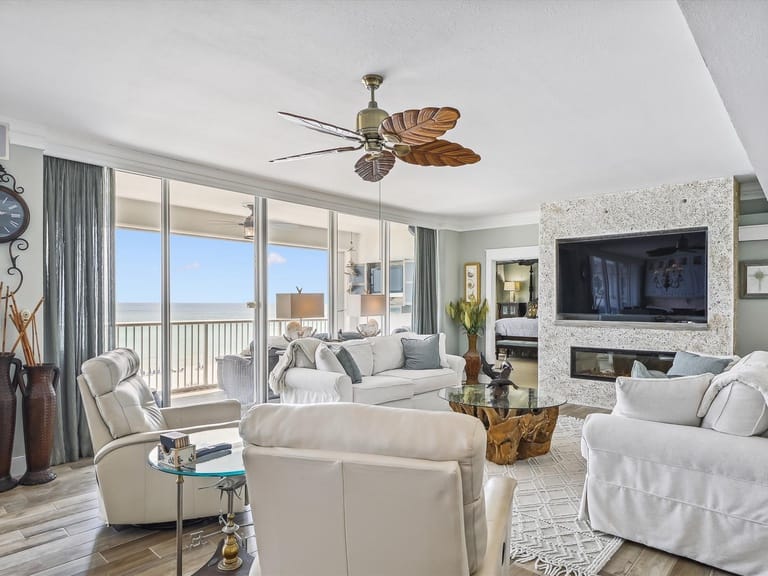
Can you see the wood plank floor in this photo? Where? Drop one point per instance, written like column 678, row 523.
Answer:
column 55, row 529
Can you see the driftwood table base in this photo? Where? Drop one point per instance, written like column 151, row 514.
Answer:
column 514, row 434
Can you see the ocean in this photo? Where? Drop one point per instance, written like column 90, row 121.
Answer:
column 185, row 311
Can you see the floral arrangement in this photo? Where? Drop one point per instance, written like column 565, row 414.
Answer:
column 469, row 314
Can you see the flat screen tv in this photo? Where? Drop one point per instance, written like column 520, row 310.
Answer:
column 650, row 277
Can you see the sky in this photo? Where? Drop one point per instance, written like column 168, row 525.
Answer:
column 211, row 270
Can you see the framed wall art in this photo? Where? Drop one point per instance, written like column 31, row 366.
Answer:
column 472, row 281
column 753, row 278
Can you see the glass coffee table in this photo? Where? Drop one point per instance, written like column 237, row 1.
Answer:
column 231, row 473
column 519, row 423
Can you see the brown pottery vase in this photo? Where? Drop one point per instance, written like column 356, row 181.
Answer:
column 472, row 358
column 8, row 385
column 38, row 410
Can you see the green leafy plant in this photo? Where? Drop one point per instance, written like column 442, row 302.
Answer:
column 470, row 315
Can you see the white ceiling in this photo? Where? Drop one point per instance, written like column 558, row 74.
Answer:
column 561, row 99
column 732, row 36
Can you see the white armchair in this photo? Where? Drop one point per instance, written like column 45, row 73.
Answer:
column 125, row 425
column 368, row 490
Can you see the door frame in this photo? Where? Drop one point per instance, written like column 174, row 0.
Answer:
column 492, row 257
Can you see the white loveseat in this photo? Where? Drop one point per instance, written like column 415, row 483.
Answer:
column 384, row 380
column 689, row 489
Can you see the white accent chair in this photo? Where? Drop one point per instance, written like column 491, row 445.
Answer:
column 125, row 424
column 345, row 489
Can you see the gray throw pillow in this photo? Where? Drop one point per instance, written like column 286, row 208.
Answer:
column 422, row 354
column 687, row 364
column 349, row 365
column 640, row 370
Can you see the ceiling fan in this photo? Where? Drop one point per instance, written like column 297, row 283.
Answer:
column 681, row 245
column 231, row 223
column 412, row 136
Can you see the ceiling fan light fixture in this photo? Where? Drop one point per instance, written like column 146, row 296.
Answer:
column 411, row 136
column 249, row 230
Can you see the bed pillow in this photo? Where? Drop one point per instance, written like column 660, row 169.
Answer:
column 640, row 370
column 688, row 364
column 673, row 401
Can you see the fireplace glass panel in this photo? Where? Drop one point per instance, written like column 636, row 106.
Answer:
column 608, row 364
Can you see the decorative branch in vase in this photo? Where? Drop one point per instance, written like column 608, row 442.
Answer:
column 37, row 382
column 470, row 315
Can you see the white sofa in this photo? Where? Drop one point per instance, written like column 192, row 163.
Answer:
column 692, row 490
column 384, row 380
column 360, row 497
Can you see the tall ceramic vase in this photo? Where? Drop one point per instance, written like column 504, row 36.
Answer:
column 38, row 409
column 8, row 385
column 472, row 358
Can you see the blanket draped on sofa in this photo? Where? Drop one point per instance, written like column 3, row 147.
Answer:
column 300, row 353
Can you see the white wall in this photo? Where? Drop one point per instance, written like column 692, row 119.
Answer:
column 26, row 164
column 751, row 314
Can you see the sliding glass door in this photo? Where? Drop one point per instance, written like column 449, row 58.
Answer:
column 184, row 284
column 212, row 284
column 211, row 277
column 138, row 273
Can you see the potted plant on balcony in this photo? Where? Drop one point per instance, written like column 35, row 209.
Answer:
column 470, row 315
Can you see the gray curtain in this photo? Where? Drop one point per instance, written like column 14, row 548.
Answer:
column 77, row 210
column 425, row 317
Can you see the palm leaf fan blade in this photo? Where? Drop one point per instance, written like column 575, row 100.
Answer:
column 374, row 168
column 418, row 126
column 440, row 153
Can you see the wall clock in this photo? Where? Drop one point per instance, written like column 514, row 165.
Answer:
column 14, row 219
column 14, row 215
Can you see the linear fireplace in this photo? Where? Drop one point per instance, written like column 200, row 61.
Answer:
column 610, row 363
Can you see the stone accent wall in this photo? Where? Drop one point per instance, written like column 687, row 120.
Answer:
column 708, row 203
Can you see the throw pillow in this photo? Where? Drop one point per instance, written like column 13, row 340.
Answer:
column 688, row 364
column 533, row 310
column 640, row 370
column 443, row 354
column 362, row 352
column 422, row 354
column 674, row 401
column 326, row 360
column 349, row 365
column 738, row 409
column 387, row 353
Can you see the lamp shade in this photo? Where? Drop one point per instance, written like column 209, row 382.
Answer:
column 512, row 286
column 300, row 305
column 372, row 305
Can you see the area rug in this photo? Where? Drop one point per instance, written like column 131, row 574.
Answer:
column 545, row 528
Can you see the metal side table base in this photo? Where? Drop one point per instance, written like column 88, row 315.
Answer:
column 227, row 559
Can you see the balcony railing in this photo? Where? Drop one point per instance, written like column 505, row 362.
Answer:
column 195, row 345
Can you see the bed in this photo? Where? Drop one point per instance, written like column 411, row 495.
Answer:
column 519, row 335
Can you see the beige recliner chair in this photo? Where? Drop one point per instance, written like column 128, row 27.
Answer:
column 357, row 490
column 125, row 424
